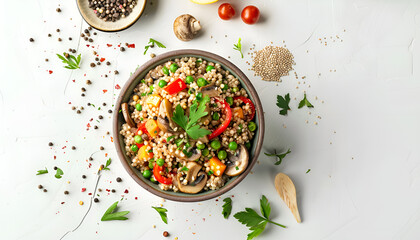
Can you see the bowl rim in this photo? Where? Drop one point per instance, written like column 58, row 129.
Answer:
column 251, row 91
column 106, row 30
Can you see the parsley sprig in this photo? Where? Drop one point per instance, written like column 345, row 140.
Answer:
column 162, row 212
column 283, row 103
column 305, row 102
column 111, row 215
column 189, row 124
column 152, row 43
column 227, row 207
column 72, row 61
column 42, row 171
column 279, row 156
column 108, row 162
column 254, row 221
column 238, row 47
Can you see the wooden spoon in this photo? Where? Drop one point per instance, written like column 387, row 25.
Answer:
column 287, row 192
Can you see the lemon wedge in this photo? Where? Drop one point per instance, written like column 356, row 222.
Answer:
column 204, row 1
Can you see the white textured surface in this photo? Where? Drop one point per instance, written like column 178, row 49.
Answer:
column 364, row 154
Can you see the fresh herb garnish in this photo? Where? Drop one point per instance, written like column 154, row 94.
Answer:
column 305, row 102
column 184, row 168
column 189, row 124
column 72, row 61
column 111, row 215
column 254, row 221
column 283, row 103
column 210, row 172
column 227, row 207
column 162, row 213
column 279, row 156
column 237, row 168
column 59, row 173
column 152, row 43
column 187, row 154
column 108, row 162
column 170, row 138
column 42, row 171
column 308, row 170
column 238, row 47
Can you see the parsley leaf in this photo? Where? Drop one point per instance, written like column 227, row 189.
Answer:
column 184, row 168
column 279, row 156
column 254, row 221
column 283, row 103
column 189, row 124
column 227, row 207
column 108, row 162
column 162, row 213
column 152, row 43
column 59, row 173
column 42, row 171
column 305, row 102
column 72, row 61
column 238, row 47
column 308, row 170
column 111, row 215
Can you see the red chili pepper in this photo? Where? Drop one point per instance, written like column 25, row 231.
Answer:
column 247, row 101
column 225, row 124
column 162, row 179
column 175, row 87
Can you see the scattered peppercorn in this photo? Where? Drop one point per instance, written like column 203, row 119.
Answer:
column 95, row 127
column 58, row 30
column 88, row 82
column 49, row 34
column 96, row 59
column 90, row 28
column 100, row 117
column 90, row 40
column 96, row 200
column 83, row 95
column 99, row 189
column 31, row 40
column 59, row 39
column 90, row 158
column 58, row 9
column 103, row 104
column 108, row 63
column 79, row 112
column 86, row 38
column 122, row 49
column 102, row 148
column 88, row 103
column 83, row 176
column 165, row 234
column 113, row 190
column 55, row 167
column 107, row 133
column 94, row 33
column 109, row 111
column 155, row 118
column 98, row 63
column 92, row 65
column 50, row 144
column 66, row 192
column 119, row 179
column 67, row 55
column 46, row 59
column 40, row 186
column 70, row 38
column 106, row 75
column 82, row 35
column 83, row 89
column 73, row 108
column 45, row 190
column 86, row 31
column 116, row 72
column 82, row 108
column 73, row 148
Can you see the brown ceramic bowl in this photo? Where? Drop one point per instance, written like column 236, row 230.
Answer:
column 118, row 120
column 123, row 23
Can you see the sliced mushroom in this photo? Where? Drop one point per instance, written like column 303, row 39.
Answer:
column 126, row 114
column 196, row 186
column 210, row 90
column 155, row 73
column 165, row 122
column 237, row 162
column 193, row 169
column 186, row 27
column 196, row 154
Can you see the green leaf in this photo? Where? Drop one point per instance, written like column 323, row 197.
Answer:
column 238, row 47
column 72, row 62
column 279, row 156
column 42, row 171
column 198, row 110
column 249, row 217
column 256, row 232
column 227, row 207
column 108, row 162
column 145, row 50
column 151, row 40
column 179, row 117
column 162, row 213
column 59, row 173
column 184, row 168
column 196, row 132
column 308, row 170
column 305, row 102
column 283, row 103
column 111, row 215
column 265, row 207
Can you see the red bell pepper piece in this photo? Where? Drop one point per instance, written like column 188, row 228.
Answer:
column 142, row 127
column 139, row 145
column 175, row 87
column 251, row 104
column 225, row 124
column 162, row 179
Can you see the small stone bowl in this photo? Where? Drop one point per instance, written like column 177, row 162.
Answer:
column 90, row 17
column 118, row 120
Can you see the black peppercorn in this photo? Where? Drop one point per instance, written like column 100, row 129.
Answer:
column 50, row 144
column 109, row 111
column 155, row 118
column 83, row 176
column 113, row 190
column 40, row 186
column 122, row 49
column 96, row 200
column 45, row 190
column 58, row 9
column 102, row 148
column 31, row 40
column 100, row 117
column 66, row 192
column 119, row 179
column 73, row 148
column 95, row 127
column 79, row 112
column 90, row 158
column 55, row 167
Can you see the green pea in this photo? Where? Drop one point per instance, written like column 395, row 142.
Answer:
column 160, row 162
column 252, row 126
column 165, row 70
column 147, row 173
column 201, row 146
column 201, row 82
column 138, row 139
column 205, row 152
column 225, row 87
column 162, row 83
column 229, row 100
column 209, row 68
column 153, row 179
column 233, row 146
column 151, row 162
column 248, row 145
column 216, row 116
column 134, row 148
column 222, row 154
column 199, row 96
column 235, row 89
column 189, row 79
column 215, row 144
column 138, row 107
column 173, row 67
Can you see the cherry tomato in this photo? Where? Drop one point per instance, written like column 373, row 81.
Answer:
column 250, row 14
column 226, row 11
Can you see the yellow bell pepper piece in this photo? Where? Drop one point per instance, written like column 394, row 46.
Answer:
column 154, row 100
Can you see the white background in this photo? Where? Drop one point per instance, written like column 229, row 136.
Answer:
column 364, row 151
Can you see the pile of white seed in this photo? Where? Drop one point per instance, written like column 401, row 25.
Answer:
column 271, row 63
